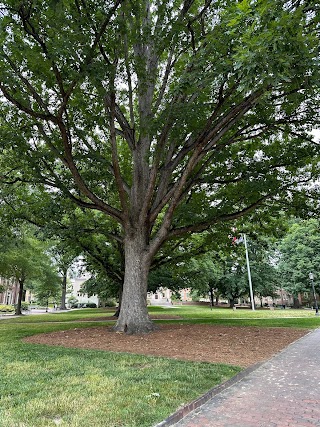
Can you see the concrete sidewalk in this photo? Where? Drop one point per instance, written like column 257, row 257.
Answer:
column 282, row 392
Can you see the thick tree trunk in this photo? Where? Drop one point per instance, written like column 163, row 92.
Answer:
column 134, row 318
column 64, row 290
column 18, row 306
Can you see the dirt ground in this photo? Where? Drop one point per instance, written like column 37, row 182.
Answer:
column 241, row 346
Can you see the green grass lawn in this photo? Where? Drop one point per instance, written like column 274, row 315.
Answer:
column 244, row 317
column 43, row 386
column 48, row 386
column 194, row 314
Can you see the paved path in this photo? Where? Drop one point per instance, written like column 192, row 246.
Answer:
column 283, row 392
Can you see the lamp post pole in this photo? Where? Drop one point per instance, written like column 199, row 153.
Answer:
column 311, row 277
column 249, row 272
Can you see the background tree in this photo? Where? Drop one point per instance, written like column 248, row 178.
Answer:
column 46, row 285
column 232, row 284
column 202, row 274
column 300, row 255
column 64, row 255
column 264, row 274
column 265, row 280
column 23, row 258
column 167, row 118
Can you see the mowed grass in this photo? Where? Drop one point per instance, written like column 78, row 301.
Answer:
column 43, row 386
column 302, row 318
column 305, row 318
column 64, row 316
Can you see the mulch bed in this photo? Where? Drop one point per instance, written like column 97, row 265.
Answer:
column 241, row 346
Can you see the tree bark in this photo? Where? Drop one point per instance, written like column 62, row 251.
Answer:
column 134, row 317
column 18, row 311
column 64, row 290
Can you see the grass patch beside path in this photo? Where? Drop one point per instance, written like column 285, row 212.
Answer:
column 45, row 386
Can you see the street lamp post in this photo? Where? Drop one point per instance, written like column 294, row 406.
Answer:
column 311, row 277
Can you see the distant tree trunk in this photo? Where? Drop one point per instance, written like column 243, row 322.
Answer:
column 117, row 313
column 18, row 311
column 134, row 317
column 261, row 304
column 296, row 302
column 231, row 302
column 64, row 290
column 217, row 299
column 211, row 296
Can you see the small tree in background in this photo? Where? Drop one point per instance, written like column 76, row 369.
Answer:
column 299, row 256
column 23, row 258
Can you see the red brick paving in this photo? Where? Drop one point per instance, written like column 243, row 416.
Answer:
column 283, row 392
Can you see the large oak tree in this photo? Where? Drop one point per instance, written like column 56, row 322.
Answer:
column 167, row 117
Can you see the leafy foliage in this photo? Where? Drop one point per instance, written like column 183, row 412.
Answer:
column 166, row 118
column 300, row 255
column 24, row 258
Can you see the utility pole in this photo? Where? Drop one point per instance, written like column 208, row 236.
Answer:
column 249, row 272
column 311, row 277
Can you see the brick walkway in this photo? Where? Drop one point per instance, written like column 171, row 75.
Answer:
column 283, row 392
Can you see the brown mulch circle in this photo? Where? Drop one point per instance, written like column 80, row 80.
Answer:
column 241, row 346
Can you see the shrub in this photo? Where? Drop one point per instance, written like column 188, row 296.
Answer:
column 72, row 301
column 4, row 308
column 110, row 302
column 84, row 305
column 24, row 306
column 91, row 305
